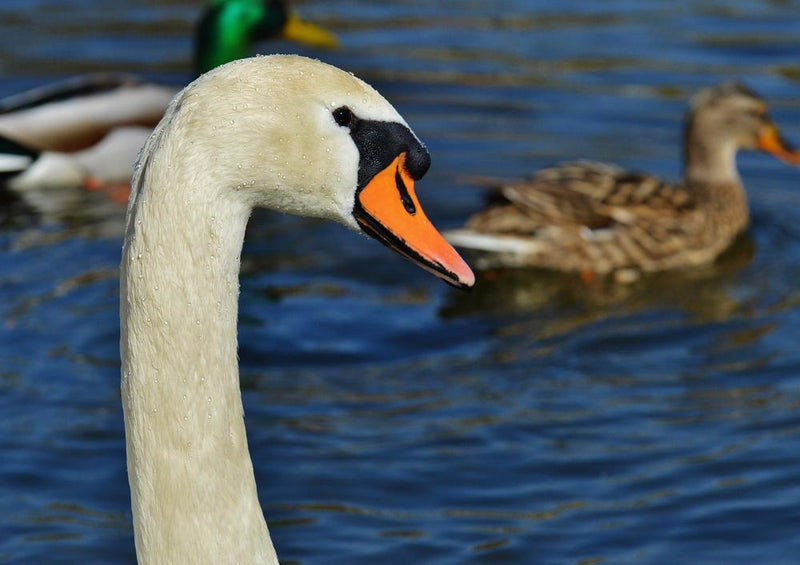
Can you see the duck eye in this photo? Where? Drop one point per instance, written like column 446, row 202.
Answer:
column 343, row 116
column 759, row 112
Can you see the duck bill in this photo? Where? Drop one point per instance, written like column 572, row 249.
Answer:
column 388, row 210
column 770, row 140
column 305, row 32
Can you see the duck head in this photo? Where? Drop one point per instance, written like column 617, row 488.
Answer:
column 228, row 28
column 302, row 137
column 729, row 117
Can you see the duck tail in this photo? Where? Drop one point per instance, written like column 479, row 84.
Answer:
column 476, row 241
column 15, row 158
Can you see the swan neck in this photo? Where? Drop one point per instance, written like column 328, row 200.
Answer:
column 192, row 485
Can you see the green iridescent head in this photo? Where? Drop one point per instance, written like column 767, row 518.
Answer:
column 228, row 28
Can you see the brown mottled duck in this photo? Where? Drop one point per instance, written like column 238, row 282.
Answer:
column 598, row 219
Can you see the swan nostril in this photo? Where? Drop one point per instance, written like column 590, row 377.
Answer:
column 405, row 197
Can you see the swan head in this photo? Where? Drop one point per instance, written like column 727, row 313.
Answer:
column 302, row 137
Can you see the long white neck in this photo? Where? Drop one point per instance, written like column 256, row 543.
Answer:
column 257, row 132
column 192, row 486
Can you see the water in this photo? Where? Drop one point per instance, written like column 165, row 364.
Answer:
column 391, row 419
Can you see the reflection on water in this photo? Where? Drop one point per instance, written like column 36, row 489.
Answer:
column 700, row 292
column 538, row 419
column 78, row 210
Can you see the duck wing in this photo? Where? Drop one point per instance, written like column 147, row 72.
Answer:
column 611, row 185
column 73, row 87
column 76, row 113
column 584, row 194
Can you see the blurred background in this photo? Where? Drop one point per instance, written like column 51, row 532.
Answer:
column 391, row 419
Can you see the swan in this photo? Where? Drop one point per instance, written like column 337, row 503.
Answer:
column 283, row 132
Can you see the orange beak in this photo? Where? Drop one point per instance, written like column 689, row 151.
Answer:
column 388, row 210
column 770, row 140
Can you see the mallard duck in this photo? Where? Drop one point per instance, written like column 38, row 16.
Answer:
column 597, row 219
column 50, row 133
column 345, row 155
column 228, row 29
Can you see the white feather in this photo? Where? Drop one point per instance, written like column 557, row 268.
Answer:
column 14, row 163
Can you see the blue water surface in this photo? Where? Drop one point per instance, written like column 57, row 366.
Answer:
column 392, row 420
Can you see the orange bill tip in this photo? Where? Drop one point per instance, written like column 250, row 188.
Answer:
column 387, row 209
column 770, row 141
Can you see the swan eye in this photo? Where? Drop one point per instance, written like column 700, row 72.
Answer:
column 344, row 116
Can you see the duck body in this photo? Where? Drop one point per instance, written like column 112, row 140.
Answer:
column 87, row 127
column 78, row 112
column 282, row 132
column 53, row 131
column 594, row 218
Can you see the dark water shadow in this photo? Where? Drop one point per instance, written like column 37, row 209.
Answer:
column 700, row 292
